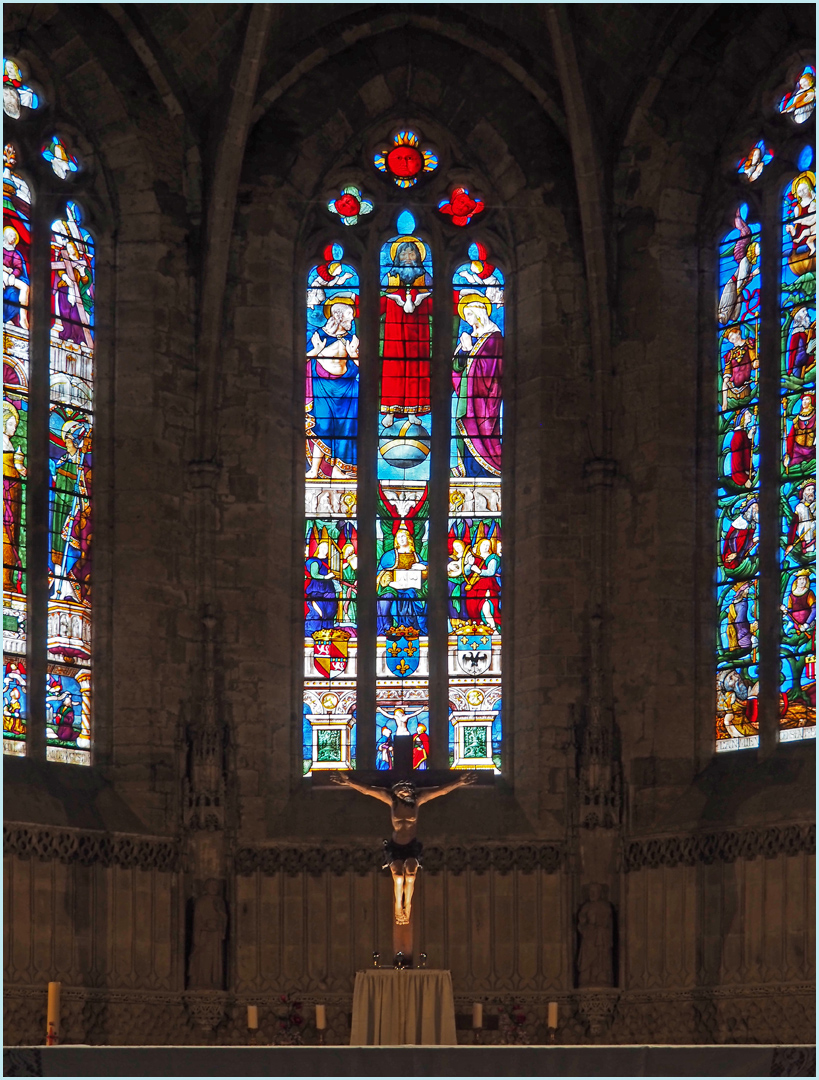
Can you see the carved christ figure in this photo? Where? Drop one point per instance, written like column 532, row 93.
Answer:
column 402, row 854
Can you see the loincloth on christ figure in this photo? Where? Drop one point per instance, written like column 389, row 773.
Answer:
column 395, row 852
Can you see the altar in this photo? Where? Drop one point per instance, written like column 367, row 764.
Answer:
column 403, row 1007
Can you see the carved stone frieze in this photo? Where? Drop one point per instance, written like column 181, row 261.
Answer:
column 502, row 858
column 89, row 848
column 725, row 846
column 782, row 1013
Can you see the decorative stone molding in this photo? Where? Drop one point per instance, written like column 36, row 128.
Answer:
column 91, row 848
column 782, row 1013
column 652, row 852
column 502, row 858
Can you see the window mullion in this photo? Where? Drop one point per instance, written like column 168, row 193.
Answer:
column 367, row 484
column 440, row 388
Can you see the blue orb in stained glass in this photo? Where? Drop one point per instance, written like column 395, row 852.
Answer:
column 407, row 447
column 406, row 222
column 743, row 211
column 806, row 158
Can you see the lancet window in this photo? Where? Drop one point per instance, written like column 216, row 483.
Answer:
column 774, row 233
column 48, row 402
column 408, row 644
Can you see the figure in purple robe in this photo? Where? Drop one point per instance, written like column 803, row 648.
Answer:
column 476, row 379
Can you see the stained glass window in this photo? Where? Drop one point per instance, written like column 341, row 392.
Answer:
column 64, row 423
column 400, row 626
column 331, row 527
column 738, row 312
column 753, row 639
column 16, row 370
column 403, row 472
column 798, row 460
column 474, row 534
column 70, row 430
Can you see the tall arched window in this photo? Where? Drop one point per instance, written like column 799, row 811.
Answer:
column 434, row 593
column 48, row 365
column 780, row 199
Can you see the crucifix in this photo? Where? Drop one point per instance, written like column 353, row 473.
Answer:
column 400, row 789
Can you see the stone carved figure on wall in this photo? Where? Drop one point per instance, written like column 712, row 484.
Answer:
column 206, row 967
column 402, row 854
column 595, row 928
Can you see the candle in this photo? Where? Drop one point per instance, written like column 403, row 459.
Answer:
column 53, row 1014
column 321, row 1017
column 477, row 1014
column 552, row 1021
column 252, row 1017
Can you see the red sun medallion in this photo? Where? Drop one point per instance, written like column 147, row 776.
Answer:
column 405, row 161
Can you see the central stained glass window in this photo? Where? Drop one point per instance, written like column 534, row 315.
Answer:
column 465, row 727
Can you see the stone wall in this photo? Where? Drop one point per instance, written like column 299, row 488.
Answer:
column 708, row 862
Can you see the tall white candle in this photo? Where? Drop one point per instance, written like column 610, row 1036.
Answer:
column 53, row 1014
column 477, row 1014
column 321, row 1017
column 252, row 1017
column 552, row 1021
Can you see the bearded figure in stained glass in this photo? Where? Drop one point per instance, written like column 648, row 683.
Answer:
column 476, row 379
column 71, row 513
column 801, row 343
column 737, row 705
column 332, row 392
column 406, row 310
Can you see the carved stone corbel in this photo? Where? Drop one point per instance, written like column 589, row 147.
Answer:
column 596, row 1010
column 207, row 1008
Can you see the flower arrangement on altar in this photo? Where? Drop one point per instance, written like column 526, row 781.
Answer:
column 511, row 1025
column 289, row 1022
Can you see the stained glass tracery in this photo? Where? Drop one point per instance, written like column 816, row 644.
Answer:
column 738, row 313
column 800, row 102
column 405, row 160
column 17, row 95
column 331, row 526
column 16, row 378
column 798, row 461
